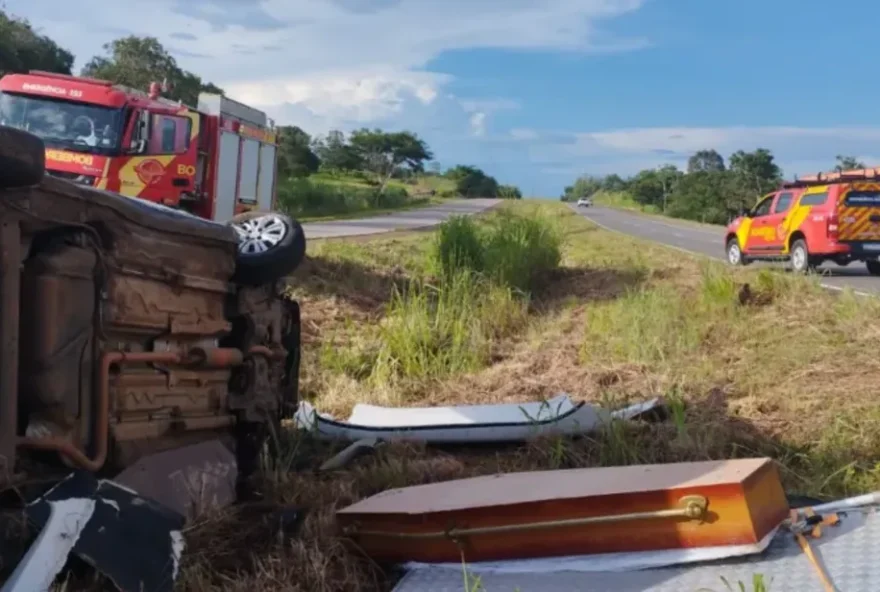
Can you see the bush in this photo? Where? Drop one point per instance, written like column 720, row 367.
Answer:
column 519, row 250
column 459, row 246
column 513, row 251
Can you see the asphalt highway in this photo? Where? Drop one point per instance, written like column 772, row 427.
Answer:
column 709, row 241
column 405, row 220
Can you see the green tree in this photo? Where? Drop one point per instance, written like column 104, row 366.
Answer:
column 753, row 174
column 613, row 183
column 509, row 192
column 295, row 155
column 705, row 160
column 384, row 153
column 471, row 181
column 23, row 49
column 702, row 196
column 848, row 163
column 460, row 171
column 335, row 153
column 585, row 186
column 137, row 61
column 653, row 187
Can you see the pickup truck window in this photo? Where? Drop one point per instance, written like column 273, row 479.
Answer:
column 814, row 199
column 783, row 203
column 763, row 208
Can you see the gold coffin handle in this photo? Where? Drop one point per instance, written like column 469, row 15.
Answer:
column 691, row 507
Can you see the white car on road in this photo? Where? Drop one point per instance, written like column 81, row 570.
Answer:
column 585, row 202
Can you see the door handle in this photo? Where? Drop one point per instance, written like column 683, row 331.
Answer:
column 180, row 182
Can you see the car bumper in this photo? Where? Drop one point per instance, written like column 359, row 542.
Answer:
column 861, row 249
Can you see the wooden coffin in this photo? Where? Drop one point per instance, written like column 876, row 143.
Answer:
column 571, row 512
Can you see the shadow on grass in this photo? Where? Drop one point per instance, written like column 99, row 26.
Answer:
column 577, row 285
column 367, row 289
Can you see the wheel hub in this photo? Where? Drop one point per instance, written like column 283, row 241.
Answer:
column 258, row 235
column 733, row 254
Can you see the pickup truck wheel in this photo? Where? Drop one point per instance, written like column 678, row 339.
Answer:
column 734, row 253
column 270, row 246
column 873, row 267
column 801, row 262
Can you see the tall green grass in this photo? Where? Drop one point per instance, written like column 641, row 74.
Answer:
column 449, row 321
column 510, row 250
column 434, row 331
column 303, row 198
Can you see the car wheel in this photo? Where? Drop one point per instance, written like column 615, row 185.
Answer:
column 734, row 253
column 22, row 158
column 873, row 267
column 800, row 257
column 270, row 246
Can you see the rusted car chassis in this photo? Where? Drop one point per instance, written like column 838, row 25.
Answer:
column 122, row 329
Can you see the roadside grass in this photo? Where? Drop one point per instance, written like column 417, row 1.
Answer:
column 326, row 196
column 751, row 362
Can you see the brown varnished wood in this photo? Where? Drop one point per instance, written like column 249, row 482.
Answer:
column 746, row 502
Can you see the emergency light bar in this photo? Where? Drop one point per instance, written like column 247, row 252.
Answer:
column 872, row 174
column 70, row 78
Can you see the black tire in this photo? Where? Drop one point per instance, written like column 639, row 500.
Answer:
column 22, row 158
column 801, row 260
column 734, row 253
column 873, row 267
column 280, row 258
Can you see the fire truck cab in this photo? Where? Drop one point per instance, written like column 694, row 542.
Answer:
column 214, row 161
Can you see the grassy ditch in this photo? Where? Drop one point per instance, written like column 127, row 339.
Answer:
column 528, row 302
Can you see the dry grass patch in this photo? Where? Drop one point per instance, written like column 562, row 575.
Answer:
column 780, row 368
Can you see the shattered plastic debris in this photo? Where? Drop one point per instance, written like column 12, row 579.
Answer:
column 133, row 541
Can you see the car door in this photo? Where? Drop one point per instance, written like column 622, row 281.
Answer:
column 777, row 219
column 759, row 228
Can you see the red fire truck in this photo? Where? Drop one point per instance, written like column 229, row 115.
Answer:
column 215, row 161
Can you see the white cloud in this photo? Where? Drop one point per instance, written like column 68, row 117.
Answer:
column 478, row 123
column 798, row 150
column 325, row 54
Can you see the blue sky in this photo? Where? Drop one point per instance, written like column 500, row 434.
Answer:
column 534, row 91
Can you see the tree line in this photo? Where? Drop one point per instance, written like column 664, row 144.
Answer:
column 134, row 61
column 379, row 156
column 708, row 190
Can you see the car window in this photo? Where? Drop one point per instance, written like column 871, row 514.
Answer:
column 763, row 207
column 814, row 199
column 783, row 203
column 170, row 135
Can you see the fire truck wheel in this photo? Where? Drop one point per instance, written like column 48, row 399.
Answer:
column 270, row 246
column 22, row 158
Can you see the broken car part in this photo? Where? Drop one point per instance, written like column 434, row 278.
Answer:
column 131, row 540
column 193, row 480
column 345, row 456
column 458, row 424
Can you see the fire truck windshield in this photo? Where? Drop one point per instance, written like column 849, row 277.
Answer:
column 64, row 124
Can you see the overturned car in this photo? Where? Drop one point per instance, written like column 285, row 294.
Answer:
column 128, row 328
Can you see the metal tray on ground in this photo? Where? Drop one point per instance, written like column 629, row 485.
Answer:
column 848, row 552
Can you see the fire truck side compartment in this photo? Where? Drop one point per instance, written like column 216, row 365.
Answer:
column 227, row 176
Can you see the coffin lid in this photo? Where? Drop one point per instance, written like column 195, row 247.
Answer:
column 538, row 486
